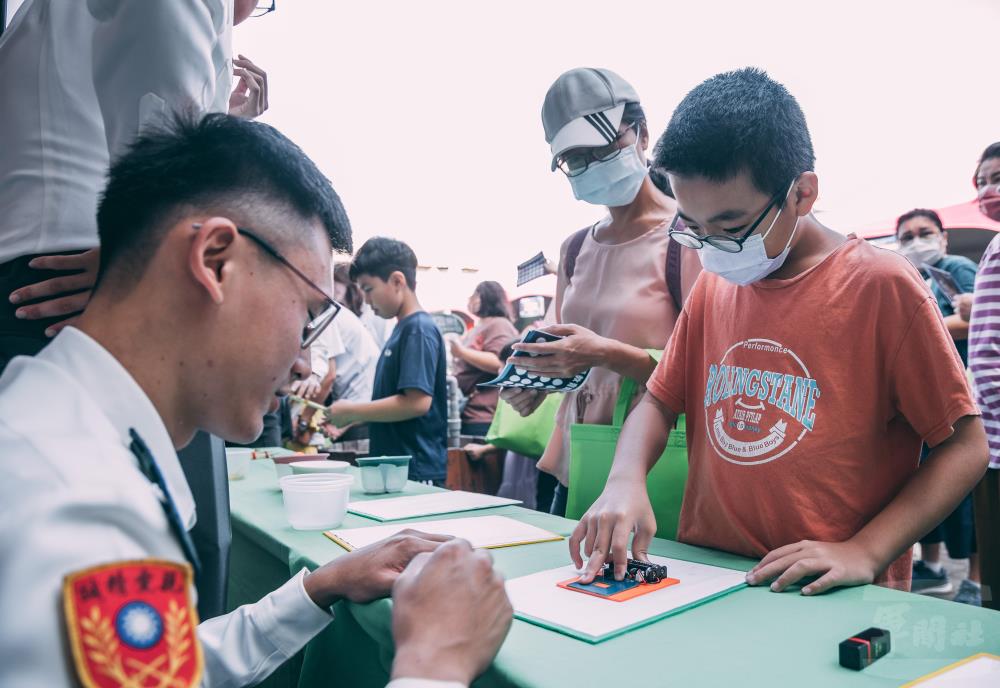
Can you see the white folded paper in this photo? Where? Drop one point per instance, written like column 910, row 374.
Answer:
column 481, row 531
column 433, row 504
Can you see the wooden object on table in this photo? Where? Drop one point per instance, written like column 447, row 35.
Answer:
column 483, row 475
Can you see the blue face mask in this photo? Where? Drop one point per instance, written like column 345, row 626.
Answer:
column 614, row 182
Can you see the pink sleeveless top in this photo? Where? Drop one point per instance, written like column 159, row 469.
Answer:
column 618, row 291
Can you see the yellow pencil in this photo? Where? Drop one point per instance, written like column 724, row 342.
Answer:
column 311, row 404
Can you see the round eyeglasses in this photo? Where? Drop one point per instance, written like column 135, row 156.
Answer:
column 680, row 233
column 573, row 164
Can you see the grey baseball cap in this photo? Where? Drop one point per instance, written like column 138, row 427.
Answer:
column 584, row 107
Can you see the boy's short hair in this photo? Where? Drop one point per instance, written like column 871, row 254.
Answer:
column 919, row 212
column 216, row 164
column 736, row 121
column 381, row 256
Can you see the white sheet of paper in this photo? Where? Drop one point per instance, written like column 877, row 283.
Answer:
column 983, row 671
column 433, row 504
column 596, row 619
column 480, row 531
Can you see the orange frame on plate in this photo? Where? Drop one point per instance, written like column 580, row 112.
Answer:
column 637, row 591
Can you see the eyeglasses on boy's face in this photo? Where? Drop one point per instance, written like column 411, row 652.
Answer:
column 684, row 236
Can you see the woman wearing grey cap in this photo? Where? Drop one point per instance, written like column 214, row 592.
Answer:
column 620, row 285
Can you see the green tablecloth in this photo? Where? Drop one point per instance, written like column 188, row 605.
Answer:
column 752, row 637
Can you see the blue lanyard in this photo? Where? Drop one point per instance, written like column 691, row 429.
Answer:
column 147, row 464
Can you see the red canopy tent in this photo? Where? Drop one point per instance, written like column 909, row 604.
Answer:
column 969, row 231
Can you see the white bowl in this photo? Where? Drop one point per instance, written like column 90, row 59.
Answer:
column 325, row 466
column 316, row 504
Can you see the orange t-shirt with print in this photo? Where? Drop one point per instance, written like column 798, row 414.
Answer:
column 807, row 400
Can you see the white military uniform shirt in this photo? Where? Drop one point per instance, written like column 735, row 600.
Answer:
column 81, row 78
column 73, row 497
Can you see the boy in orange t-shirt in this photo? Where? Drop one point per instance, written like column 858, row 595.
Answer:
column 810, row 366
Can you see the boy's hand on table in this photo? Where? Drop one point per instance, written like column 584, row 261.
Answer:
column 835, row 564
column 622, row 508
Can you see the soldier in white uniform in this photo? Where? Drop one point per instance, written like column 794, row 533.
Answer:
column 207, row 229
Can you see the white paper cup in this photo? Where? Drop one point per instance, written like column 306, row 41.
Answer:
column 237, row 462
column 316, row 504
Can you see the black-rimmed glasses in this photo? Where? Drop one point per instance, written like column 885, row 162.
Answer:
column 263, row 8
column 317, row 324
column 575, row 164
column 685, row 237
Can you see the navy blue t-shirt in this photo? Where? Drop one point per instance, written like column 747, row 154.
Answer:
column 414, row 358
column 963, row 271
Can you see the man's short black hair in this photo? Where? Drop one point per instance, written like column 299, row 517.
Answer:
column 216, row 164
column 736, row 121
column 381, row 256
column 919, row 212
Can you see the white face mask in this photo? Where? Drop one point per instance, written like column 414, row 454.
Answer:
column 752, row 263
column 614, row 182
column 923, row 250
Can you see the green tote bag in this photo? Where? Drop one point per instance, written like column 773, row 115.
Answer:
column 592, row 450
column 527, row 436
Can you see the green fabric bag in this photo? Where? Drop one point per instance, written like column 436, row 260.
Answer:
column 524, row 435
column 592, row 450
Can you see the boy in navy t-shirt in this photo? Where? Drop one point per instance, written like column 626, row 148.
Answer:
column 408, row 414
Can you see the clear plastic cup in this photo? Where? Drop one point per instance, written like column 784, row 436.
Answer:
column 319, row 503
column 237, row 462
column 314, row 480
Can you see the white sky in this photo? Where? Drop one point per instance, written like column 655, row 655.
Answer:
column 425, row 115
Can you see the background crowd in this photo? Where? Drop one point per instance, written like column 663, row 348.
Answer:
column 646, row 296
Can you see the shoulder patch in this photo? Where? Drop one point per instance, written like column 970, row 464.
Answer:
column 132, row 623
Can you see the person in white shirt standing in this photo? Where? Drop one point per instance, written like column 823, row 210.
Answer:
column 208, row 227
column 344, row 359
column 80, row 79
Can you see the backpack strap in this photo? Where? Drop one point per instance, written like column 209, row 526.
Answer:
column 674, row 273
column 573, row 250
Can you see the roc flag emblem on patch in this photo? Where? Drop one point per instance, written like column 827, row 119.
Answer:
column 131, row 624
